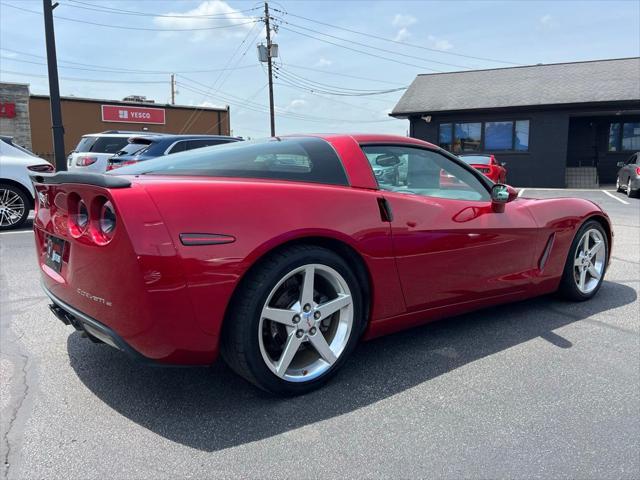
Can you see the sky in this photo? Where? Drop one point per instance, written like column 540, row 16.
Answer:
column 341, row 64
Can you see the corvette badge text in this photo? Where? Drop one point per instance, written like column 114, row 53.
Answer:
column 93, row 297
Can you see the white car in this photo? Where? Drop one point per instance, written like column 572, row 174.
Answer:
column 16, row 190
column 95, row 149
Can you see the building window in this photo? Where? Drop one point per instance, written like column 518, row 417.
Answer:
column 498, row 136
column 468, row 137
column 521, row 137
column 624, row 136
column 506, row 135
column 446, row 136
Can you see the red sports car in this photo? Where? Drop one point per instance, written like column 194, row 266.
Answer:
column 282, row 254
column 488, row 165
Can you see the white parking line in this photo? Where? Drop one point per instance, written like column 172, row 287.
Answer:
column 521, row 191
column 614, row 197
column 16, row 231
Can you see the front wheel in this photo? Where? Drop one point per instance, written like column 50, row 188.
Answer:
column 14, row 207
column 295, row 320
column 586, row 263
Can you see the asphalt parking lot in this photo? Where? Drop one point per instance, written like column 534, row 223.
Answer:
column 542, row 388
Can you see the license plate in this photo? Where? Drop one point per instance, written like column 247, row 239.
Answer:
column 55, row 250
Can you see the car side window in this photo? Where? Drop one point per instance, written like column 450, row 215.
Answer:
column 423, row 172
column 191, row 144
column 178, row 147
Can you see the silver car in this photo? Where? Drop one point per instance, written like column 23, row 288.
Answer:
column 628, row 179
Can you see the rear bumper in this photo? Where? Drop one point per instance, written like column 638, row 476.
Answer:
column 93, row 328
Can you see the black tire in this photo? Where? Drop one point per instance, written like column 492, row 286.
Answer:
column 618, row 185
column 5, row 224
column 630, row 193
column 568, row 287
column 240, row 344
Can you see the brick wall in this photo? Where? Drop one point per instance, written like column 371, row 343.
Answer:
column 18, row 127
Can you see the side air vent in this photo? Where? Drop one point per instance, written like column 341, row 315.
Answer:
column 385, row 210
column 546, row 252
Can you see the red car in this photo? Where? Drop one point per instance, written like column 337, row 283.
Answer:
column 488, row 165
column 282, row 254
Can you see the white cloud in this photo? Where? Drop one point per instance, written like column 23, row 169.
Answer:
column 439, row 43
column 210, row 105
column 403, row 20
column 546, row 20
column 9, row 54
column 323, row 62
column 220, row 13
column 402, row 35
column 295, row 104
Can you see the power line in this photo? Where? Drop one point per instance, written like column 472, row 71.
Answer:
column 406, row 44
column 334, row 90
column 94, row 80
column 194, row 115
column 414, row 57
column 114, row 69
column 122, row 27
column 281, row 112
column 120, row 11
column 282, row 27
column 300, row 67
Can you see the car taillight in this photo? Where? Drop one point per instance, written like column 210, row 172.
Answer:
column 44, row 168
column 78, row 217
column 637, row 170
column 104, row 228
column 85, row 161
column 113, row 166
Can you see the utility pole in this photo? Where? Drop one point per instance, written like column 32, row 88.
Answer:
column 173, row 89
column 54, row 88
column 269, row 68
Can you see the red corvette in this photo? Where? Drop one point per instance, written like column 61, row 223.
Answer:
column 488, row 165
column 282, row 254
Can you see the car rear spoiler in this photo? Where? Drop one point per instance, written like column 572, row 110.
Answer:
column 97, row 179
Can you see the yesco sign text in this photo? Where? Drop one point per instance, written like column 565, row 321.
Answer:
column 117, row 113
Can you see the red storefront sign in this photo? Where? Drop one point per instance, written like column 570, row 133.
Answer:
column 117, row 113
column 7, row 109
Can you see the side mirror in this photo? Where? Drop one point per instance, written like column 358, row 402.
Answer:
column 501, row 194
column 620, row 164
column 387, row 160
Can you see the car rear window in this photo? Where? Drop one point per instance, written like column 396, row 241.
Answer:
column 133, row 148
column 296, row 158
column 476, row 159
column 101, row 144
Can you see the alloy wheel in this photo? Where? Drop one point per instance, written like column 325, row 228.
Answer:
column 589, row 261
column 306, row 323
column 629, row 188
column 11, row 207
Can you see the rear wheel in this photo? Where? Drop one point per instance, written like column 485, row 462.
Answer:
column 630, row 193
column 586, row 263
column 295, row 321
column 14, row 207
column 618, row 186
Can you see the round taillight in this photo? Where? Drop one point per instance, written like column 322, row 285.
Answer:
column 107, row 220
column 78, row 219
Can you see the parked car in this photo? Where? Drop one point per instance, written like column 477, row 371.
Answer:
column 141, row 148
column 94, row 149
column 16, row 189
column 628, row 178
column 488, row 165
column 282, row 254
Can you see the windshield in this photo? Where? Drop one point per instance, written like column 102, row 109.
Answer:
column 295, row 158
column 476, row 159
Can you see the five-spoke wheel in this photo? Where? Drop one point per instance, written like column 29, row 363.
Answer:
column 586, row 262
column 296, row 319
